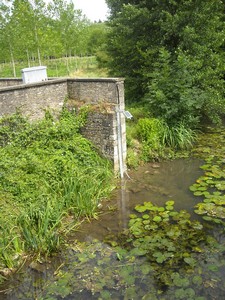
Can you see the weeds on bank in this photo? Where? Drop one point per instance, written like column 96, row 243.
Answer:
column 48, row 173
column 151, row 139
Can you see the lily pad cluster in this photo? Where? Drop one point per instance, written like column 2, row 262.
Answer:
column 162, row 255
column 211, row 186
column 96, row 271
column 167, row 238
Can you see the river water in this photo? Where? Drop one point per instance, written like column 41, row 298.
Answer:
column 155, row 182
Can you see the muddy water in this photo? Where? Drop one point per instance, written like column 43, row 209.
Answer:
column 153, row 182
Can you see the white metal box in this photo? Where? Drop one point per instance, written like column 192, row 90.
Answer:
column 34, row 74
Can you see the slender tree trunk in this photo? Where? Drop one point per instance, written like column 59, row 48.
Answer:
column 28, row 58
column 67, row 64
column 13, row 62
column 39, row 56
column 38, row 49
column 76, row 65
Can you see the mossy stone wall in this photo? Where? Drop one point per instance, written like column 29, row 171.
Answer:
column 105, row 96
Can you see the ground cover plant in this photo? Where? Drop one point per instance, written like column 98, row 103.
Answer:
column 49, row 175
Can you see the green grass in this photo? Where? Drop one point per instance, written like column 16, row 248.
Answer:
column 60, row 67
column 151, row 139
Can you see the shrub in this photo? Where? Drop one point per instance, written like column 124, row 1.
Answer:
column 48, row 171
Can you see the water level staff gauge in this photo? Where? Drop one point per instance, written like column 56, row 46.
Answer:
column 127, row 115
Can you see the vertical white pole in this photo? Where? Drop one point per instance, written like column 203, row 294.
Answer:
column 120, row 144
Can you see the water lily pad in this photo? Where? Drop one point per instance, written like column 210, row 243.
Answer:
column 197, row 280
column 146, row 217
column 198, row 193
column 169, row 207
column 213, row 268
column 161, row 209
column 145, row 222
column 207, row 218
column 145, row 269
column 160, row 257
column 190, row 261
column 157, row 219
column 140, row 208
column 169, row 203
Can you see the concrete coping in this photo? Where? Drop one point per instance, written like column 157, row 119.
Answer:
column 54, row 81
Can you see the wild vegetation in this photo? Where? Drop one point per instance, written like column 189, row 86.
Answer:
column 51, row 177
column 163, row 254
column 172, row 56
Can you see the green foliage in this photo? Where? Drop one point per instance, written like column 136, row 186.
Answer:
column 163, row 254
column 179, row 137
column 210, row 186
column 152, row 139
column 158, row 257
column 173, row 56
column 172, row 95
column 48, row 173
column 54, row 30
column 76, row 66
column 166, row 237
column 150, row 131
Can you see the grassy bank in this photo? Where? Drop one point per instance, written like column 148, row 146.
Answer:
column 74, row 66
column 151, row 139
column 50, row 178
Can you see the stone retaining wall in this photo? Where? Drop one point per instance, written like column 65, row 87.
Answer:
column 105, row 125
column 10, row 81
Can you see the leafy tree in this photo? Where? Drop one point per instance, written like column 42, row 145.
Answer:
column 70, row 25
column 171, row 54
column 97, row 37
column 33, row 29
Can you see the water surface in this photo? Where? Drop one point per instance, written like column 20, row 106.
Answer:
column 155, row 182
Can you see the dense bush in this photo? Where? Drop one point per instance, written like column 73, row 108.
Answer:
column 49, row 173
column 171, row 54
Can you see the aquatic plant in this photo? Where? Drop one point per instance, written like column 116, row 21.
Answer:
column 211, row 186
column 178, row 136
column 162, row 255
column 167, row 238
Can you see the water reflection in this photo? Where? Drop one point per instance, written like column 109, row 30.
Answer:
column 168, row 180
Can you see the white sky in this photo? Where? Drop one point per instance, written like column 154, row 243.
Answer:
column 95, row 10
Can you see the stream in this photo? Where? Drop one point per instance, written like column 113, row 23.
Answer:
column 155, row 182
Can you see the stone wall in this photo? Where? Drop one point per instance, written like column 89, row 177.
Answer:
column 33, row 99
column 10, row 82
column 105, row 126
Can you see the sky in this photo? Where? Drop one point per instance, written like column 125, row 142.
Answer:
column 95, row 10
